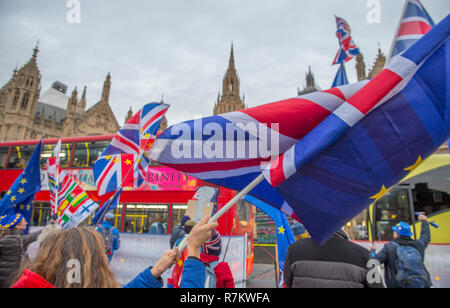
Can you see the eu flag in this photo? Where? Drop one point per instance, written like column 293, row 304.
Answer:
column 109, row 206
column 19, row 197
column 285, row 236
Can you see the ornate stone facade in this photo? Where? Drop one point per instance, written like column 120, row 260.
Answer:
column 230, row 100
column 24, row 115
column 377, row 67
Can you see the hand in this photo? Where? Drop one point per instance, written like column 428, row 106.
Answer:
column 168, row 259
column 422, row 217
column 199, row 234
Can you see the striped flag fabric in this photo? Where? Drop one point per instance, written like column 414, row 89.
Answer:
column 74, row 204
column 341, row 77
column 231, row 149
column 109, row 206
column 53, row 170
column 347, row 48
column 414, row 23
column 370, row 142
column 129, row 150
column 340, row 149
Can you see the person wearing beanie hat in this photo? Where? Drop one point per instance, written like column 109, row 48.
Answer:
column 220, row 271
column 393, row 253
column 110, row 234
column 178, row 232
column 13, row 247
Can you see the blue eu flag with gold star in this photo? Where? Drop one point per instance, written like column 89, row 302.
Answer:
column 19, row 197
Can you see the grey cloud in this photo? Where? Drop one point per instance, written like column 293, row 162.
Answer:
column 180, row 48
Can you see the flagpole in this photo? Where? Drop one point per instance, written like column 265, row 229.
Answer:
column 229, row 205
column 57, row 177
column 397, row 31
column 141, row 153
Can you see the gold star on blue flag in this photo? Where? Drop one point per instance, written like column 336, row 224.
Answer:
column 21, row 194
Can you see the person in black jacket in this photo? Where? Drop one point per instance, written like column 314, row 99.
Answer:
column 402, row 237
column 13, row 247
column 338, row 263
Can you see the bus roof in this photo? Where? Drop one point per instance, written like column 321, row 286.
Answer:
column 55, row 140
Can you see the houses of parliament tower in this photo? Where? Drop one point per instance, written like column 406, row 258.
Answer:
column 230, row 100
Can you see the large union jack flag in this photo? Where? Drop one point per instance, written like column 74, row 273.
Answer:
column 128, row 150
column 341, row 149
column 414, row 23
column 347, row 49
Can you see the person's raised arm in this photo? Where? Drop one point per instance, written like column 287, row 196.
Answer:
column 194, row 271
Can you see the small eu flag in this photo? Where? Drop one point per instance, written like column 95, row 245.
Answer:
column 19, row 197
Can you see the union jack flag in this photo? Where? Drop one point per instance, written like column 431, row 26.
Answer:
column 341, row 149
column 129, row 148
column 415, row 22
column 348, row 49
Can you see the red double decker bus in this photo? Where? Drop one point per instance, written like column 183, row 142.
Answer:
column 162, row 200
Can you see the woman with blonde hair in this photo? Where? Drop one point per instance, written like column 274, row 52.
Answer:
column 75, row 258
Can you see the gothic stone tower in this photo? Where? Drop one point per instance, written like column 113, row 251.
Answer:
column 230, row 99
column 18, row 101
column 310, row 84
column 24, row 115
column 377, row 67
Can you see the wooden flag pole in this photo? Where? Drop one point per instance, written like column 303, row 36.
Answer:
column 228, row 206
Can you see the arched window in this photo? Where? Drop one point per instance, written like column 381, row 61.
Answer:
column 25, row 100
column 16, row 98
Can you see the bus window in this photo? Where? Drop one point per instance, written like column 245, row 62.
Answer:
column 178, row 211
column 3, row 157
column 41, row 214
column 86, row 153
column 20, row 155
column 64, row 155
column 390, row 210
column 152, row 219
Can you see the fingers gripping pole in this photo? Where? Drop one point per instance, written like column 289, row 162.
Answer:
column 228, row 206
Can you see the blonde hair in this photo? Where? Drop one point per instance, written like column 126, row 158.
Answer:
column 83, row 244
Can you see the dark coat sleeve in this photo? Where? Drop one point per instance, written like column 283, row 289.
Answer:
column 30, row 238
column 425, row 236
column 287, row 270
column 383, row 255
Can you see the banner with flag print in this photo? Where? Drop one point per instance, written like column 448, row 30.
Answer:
column 339, row 151
column 347, row 48
column 414, row 23
column 124, row 162
column 19, row 197
column 74, row 204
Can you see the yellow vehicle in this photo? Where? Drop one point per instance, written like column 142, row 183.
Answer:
column 425, row 189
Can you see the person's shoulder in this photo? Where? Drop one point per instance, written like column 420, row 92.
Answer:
column 301, row 247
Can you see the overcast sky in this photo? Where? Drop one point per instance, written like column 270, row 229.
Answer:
column 180, row 48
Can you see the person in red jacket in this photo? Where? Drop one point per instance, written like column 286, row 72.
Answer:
column 210, row 256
